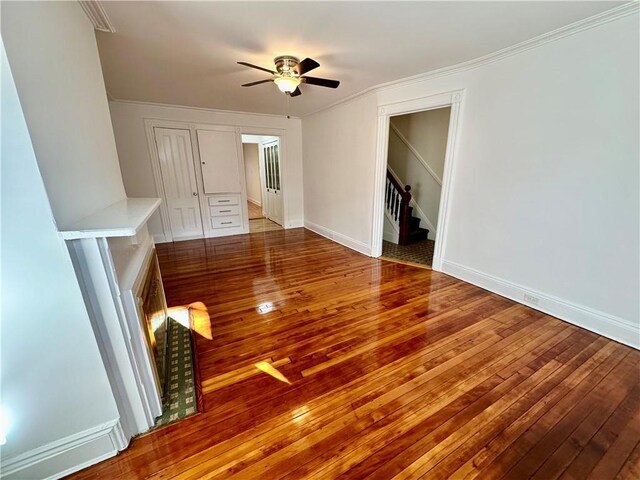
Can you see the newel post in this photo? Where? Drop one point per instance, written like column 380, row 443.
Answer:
column 405, row 216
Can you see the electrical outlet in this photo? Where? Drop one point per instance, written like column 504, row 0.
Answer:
column 531, row 299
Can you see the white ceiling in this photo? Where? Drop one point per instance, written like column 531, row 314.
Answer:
column 185, row 53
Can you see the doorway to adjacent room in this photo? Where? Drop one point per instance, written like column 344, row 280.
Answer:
column 263, row 180
column 415, row 166
column 394, row 204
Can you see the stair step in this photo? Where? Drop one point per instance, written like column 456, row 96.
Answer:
column 414, row 222
column 418, row 234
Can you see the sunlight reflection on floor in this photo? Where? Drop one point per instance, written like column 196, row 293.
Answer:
column 194, row 316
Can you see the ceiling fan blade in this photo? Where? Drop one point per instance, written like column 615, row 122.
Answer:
column 250, row 65
column 256, row 83
column 322, row 82
column 306, row 65
column 296, row 92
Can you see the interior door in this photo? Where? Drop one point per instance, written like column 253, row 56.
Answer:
column 179, row 180
column 271, row 156
column 220, row 161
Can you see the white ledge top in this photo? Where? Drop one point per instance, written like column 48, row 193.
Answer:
column 122, row 219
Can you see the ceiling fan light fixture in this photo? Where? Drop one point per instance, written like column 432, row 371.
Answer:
column 287, row 84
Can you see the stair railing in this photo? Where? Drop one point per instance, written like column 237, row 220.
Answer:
column 397, row 199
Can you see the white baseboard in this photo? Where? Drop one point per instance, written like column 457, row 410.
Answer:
column 255, row 202
column 67, row 455
column 159, row 238
column 348, row 242
column 616, row 328
column 295, row 224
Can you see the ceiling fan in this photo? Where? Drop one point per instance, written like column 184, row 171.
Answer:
column 289, row 74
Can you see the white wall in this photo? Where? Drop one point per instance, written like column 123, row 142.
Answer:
column 339, row 158
column 135, row 162
column 53, row 55
column 252, row 172
column 545, row 193
column 416, row 153
column 54, row 384
column 427, row 133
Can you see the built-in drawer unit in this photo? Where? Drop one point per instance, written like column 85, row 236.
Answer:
column 220, row 211
column 224, row 222
column 225, row 212
column 219, row 200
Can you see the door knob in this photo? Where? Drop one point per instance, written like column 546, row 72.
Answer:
column 195, row 194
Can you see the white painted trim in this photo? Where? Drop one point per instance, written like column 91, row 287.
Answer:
column 607, row 16
column 254, row 201
column 616, row 328
column 98, row 282
column 385, row 112
column 160, row 238
column 415, row 152
column 130, row 290
column 296, row 224
column 349, row 242
column 203, row 109
column 149, row 125
column 38, row 457
column 96, row 13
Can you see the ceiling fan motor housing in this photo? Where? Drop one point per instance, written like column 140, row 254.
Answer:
column 285, row 64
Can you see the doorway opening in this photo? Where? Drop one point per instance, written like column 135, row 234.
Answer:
column 415, row 165
column 403, row 146
column 263, row 180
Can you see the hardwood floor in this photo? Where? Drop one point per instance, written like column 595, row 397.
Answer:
column 261, row 225
column 255, row 211
column 317, row 362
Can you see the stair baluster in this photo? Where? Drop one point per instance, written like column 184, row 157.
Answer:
column 397, row 199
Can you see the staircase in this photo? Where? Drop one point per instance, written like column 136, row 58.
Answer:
column 397, row 203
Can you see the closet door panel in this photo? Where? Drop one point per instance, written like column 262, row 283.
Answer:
column 219, row 161
column 179, row 182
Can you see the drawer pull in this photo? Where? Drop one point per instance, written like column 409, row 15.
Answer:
column 224, row 201
column 224, row 211
column 225, row 223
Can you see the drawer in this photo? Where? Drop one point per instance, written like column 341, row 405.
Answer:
column 224, row 200
column 221, row 211
column 224, row 222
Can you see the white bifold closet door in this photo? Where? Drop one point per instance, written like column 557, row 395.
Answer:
column 179, row 181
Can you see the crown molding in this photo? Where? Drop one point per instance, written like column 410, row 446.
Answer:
column 203, row 109
column 96, row 13
column 607, row 16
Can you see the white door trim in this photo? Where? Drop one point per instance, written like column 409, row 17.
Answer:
column 451, row 99
column 149, row 125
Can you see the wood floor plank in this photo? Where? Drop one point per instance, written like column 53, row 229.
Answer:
column 317, row 362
